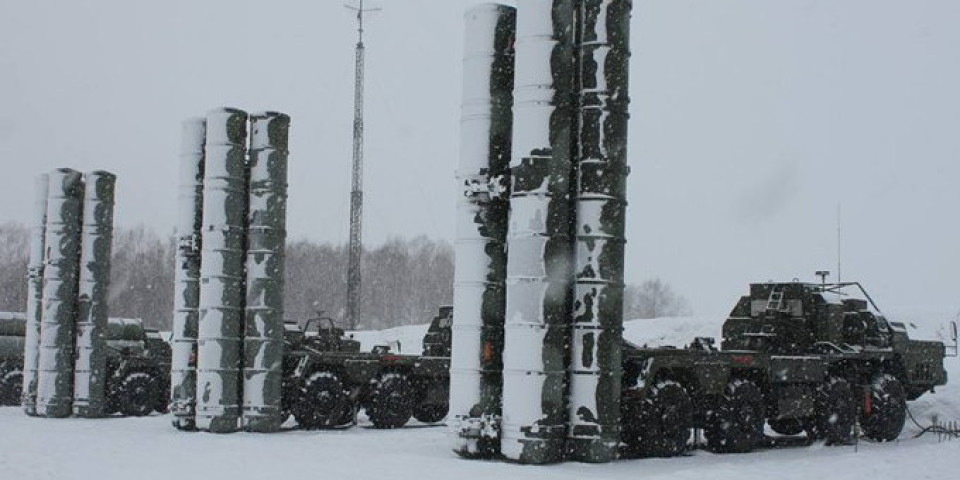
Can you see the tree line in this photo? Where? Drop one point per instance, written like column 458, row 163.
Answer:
column 404, row 280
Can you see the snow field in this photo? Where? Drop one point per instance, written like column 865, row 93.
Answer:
column 148, row 448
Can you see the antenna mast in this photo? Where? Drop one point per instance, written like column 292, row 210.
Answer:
column 839, row 243
column 356, row 190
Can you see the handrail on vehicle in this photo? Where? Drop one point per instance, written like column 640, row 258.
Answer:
column 836, row 287
column 953, row 338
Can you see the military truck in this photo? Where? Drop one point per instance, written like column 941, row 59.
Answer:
column 327, row 379
column 138, row 365
column 799, row 357
column 12, row 330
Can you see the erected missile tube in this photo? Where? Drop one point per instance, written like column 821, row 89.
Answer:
column 595, row 369
column 220, row 331
column 539, row 267
column 89, row 377
column 266, row 238
column 31, row 352
column 186, row 313
column 476, row 381
column 60, row 284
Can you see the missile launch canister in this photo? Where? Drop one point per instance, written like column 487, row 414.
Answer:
column 31, row 352
column 476, row 379
column 222, row 291
column 89, row 384
column 600, row 191
column 539, row 265
column 186, row 300
column 266, row 237
column 60, row 285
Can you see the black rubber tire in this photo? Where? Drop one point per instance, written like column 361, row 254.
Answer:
column 112, row 402
column 391, row 402
column 323, row 401
column 431, row 413
column 289, row 396
column 137, row 394
column 888, row 410
column 659, row 424
column 735, row 424
column 348, row 417
column 786, row 426
column 162, row 403
column 836, row 412
column 11, row 387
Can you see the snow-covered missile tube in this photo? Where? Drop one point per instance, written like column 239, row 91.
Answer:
column 266, row 239
column 539, row 266
column 186, row 301
column 60, row 284
column 595, row 369
column 220, row 331
column 31, row 352
column 476, row 381
column 89, row 376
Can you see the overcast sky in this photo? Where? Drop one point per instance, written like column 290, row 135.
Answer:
column 752, row 120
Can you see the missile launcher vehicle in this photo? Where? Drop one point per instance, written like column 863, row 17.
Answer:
column 327, row 379
column 798, row 357
column 138, row 365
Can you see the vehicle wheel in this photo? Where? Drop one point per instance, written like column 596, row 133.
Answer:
column 289, row 396
column 882, row 419
column 787, row 426
column 430, row 413
column 162, row 404
column 162, row 407
column 323, row 401
column 137, row 394
column 348, row 417
column 736, row 424
column 835, row 412
column 112, row 403
column 391, row 401
column 659, row 425
column 11, row 387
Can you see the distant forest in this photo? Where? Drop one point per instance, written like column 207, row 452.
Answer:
column 404, row 280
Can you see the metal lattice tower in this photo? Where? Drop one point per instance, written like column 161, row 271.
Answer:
column 356, row 190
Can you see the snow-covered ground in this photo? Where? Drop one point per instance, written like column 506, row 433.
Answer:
column 148, row 448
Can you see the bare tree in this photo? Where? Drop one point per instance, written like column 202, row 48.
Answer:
column 141, row 277
column 652, row 299
column 14, row 242
column 314, row 281
column 405, row 280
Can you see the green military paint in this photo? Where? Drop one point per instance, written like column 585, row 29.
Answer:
column 222, row 291
column 89, row 384
column 266, row 237
column 483, row 173
column 34, row 295
column 186, row 313
column 600, row 193
column 60, row 284
column 539, row 268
